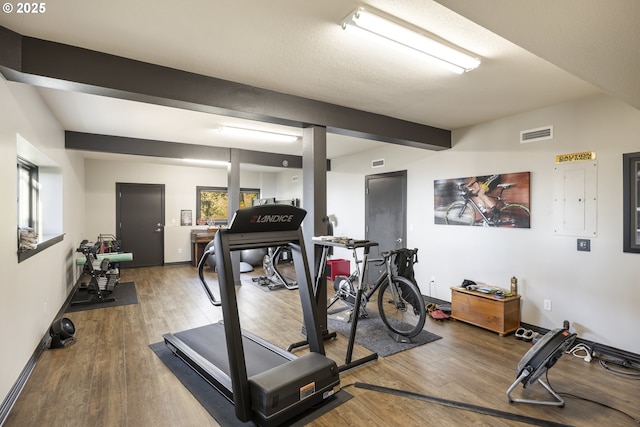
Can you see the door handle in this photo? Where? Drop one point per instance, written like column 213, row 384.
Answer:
column 158, row 230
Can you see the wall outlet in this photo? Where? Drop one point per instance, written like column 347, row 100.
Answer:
column 433, row 279
column 179, row 250
column 547, row 304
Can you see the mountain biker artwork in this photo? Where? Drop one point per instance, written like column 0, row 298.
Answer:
column 496, row 200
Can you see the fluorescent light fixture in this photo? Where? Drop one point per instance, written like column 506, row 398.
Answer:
column 258, row 134
column 207, row 162
column 446, row 56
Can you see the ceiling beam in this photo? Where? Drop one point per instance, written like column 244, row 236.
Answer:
column 50, row 64
column 173, row 150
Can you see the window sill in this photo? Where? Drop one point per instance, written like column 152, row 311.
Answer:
column 47, row 241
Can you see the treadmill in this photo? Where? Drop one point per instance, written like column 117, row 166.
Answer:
column 266, row 384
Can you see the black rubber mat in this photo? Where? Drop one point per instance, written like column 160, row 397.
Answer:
column 124, row 293
column 374, row 335
column 217, row 405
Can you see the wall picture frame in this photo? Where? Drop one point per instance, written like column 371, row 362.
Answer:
column 631, row 202
column 186, row 217
column 496, row 200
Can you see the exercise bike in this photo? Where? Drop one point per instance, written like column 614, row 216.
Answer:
column 274, row 279
column 400, row 301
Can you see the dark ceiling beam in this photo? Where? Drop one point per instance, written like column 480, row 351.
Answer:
column 172, row 150
column 50, row 64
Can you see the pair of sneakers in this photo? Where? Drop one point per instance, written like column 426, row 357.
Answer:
column 525, row 335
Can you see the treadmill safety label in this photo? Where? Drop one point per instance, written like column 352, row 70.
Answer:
column 307, row 390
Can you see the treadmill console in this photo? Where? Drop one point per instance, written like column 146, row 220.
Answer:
column 263, row 218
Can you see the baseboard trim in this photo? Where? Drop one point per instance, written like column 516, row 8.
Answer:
column 436, row 301
column 17, row 387
column 15, row 391
column 169, row 264
column 612, row 354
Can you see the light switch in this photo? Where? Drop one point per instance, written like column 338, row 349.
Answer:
column 584, row 245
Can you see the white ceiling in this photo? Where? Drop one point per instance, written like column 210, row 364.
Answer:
column 558, row 51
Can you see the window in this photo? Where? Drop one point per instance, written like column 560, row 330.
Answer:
column 631, row 202
column 212, row 203
column 39, row 189
column 28, row 194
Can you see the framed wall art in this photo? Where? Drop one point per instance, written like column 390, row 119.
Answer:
column 497, row 200
column 186, row 217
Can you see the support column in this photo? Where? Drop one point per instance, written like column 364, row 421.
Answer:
column 233, row 192
column 314, row 185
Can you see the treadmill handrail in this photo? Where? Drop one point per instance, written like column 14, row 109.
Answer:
column 203, row 282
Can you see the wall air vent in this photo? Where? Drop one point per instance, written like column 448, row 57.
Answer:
column 377, row 163
column 539, row 134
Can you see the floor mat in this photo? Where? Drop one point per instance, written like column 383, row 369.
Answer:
column 217, row 405
column 124, row 293
column 373, row 334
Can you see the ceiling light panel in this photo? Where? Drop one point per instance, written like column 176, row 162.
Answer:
column 388, row 30
column 258, row 134
column 206, row 162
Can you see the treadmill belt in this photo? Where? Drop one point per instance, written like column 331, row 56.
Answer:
column 209, row 341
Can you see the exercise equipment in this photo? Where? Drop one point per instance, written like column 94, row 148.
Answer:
column 538, row 360
column 265, row 383
column 274, row 279
column 104, row 275
column 245, row 267
column 253, row 256
column 105, row 246
column 113, row 258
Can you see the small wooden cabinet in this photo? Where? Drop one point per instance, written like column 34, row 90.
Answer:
column 199, row 240
column 485, row 310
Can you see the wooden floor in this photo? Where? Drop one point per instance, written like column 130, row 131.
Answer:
column 112, row 378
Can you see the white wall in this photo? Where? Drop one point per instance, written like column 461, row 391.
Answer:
column 288, row 185
column 180, row 193
column 596, row 291
column 33, row 291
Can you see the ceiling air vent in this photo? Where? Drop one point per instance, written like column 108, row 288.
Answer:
column 539, row 134
column 377, row 163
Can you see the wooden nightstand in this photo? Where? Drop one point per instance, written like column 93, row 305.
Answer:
column 485, row 310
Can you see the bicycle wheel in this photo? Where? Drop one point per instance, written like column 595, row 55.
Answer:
column 459, row 213
column 404, row 313
column 514, row 215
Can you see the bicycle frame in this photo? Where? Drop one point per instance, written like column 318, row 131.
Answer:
column 368, row 288
column 467, row 195
column 469, row 201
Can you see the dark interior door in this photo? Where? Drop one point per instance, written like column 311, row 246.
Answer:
column 386, row 211
column 140, row 222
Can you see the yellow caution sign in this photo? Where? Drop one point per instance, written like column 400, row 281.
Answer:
column 576, row 157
